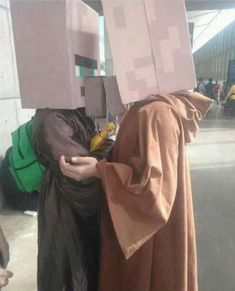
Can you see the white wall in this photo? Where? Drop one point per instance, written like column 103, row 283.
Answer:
column 11, row 113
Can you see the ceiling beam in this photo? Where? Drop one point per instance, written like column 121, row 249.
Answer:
column 191, row 5
column 95, row 4
column 196, row 5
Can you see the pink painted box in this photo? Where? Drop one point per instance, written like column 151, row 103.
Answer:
column 95, row 99
column 57, row 44
column 113, row 98
column 102, row 95
column 150, row 46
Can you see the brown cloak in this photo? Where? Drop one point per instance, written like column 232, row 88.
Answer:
column 148, row 234
column 68, row 221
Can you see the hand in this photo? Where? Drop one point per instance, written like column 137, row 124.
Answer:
column 4, row 249
column 4, row 277
column 81, row 169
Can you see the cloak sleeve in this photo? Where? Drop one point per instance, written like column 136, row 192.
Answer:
column 141, row 191
column 56, row 135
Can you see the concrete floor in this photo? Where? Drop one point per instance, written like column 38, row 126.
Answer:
column 212, row 159
column 21, row 233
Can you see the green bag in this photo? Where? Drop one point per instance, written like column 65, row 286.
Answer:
column 24, row 165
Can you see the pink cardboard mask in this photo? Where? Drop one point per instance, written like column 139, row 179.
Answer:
column 150, row 45
column 56, row 44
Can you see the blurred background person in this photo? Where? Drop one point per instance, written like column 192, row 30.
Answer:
column 217, row 91
column 229, row 101
column 210, row 89
column 200, row 86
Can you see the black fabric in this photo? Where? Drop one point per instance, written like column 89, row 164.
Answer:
column 68, row 242
column 69, row 211
column 2, row 195
column 15, row 198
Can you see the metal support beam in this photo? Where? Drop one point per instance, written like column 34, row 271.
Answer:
column 95, row 4
column 196, row 5
column 191, row 5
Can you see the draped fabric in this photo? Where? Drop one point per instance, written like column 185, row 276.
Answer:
column 69, row 211
column 4, row 250
column 148, row 233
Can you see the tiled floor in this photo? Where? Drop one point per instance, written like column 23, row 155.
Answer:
column 212, row 159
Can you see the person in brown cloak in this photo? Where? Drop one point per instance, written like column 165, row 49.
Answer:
column 148, row 233
column 68, row 219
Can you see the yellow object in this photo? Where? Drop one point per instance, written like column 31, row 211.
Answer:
column 98, row 140
column 231, row 93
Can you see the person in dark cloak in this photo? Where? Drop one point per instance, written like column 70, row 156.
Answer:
column 69, row 211
column 60, row 57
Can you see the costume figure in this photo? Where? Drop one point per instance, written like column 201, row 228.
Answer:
column 62, row 48
column 148, row 233
column 68, row 219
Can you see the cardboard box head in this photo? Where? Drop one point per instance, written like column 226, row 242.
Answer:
column 113, row 98
column 95, row 99
column 57, row 44
column 102, row 95
column 150, row 45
